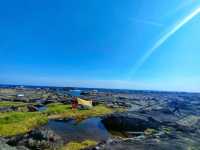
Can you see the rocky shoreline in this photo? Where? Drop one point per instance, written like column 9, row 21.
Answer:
column 150, row 120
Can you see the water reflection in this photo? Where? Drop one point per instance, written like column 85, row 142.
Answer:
column 91, row 128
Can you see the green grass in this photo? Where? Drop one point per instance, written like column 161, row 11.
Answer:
column 9, row 104
column 14, row 123
column 56, row 108
column 59, row 111
column 22, row 107
column 79, row 145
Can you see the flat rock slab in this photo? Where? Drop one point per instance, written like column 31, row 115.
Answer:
column 129, row 122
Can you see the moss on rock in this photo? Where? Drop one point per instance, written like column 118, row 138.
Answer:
column 79, row 145
column 60, row 111
column 10, row 104
column 14, row 123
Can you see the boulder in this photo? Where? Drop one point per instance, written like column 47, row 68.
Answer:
column 149, row 144
column 129, row 122
column 41, row 138
column 4, row 146
column 5, row 109
column 32, row 108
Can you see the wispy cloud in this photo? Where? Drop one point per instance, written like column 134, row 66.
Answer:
column 164, row 38
column 182, row 5
column 148, row 22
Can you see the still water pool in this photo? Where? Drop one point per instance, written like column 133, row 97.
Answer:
column 69, row 130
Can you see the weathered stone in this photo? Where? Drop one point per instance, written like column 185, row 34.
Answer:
column 41, row 138
column 5, row 146
column 129, row 122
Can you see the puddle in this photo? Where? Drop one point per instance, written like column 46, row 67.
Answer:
column 41, row 108
column 69, row 130
column 75, row 92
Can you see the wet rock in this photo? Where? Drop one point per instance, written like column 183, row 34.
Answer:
column 150, row 144
column 118, row 104
column 13, row 108
column 49, row 101
column 5, row 109
column 189, row 121
column 39, row 139
column 32, row 108
column 22, row 148
column 163, row 115
column 4, row 146
column 129, row 122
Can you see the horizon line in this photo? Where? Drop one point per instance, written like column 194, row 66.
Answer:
column 108, row 88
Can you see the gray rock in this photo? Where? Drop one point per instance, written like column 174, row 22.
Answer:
column 142, row 145
column 129, row 122
column 39, row 139
column 5, row 109
column 5, row 146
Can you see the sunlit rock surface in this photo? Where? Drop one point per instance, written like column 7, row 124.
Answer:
column 145, row 120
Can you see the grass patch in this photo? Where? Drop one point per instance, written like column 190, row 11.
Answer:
column 57, row 108
column 19, row 106
column 60, row 111
column 9, row 104
column 14, row 123
column 79, row 145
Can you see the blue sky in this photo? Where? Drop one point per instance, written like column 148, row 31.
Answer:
column 135, row 44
